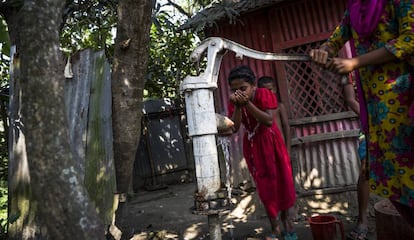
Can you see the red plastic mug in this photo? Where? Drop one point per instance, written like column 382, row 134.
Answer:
column 324, row 227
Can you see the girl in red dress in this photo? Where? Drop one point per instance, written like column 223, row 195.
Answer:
column 263, row 148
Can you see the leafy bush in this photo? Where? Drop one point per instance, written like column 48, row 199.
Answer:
column 3, row 208
column 169, row 60
column 3, row 181
column 4, row 80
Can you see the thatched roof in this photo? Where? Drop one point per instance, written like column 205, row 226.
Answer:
column 226, row 9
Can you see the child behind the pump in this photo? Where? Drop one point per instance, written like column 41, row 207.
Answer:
column 263, row 148
column 281, row 115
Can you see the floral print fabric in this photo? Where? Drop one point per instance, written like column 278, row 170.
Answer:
column 389, row 92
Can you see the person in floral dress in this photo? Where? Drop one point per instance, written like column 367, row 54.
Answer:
column 382, row 34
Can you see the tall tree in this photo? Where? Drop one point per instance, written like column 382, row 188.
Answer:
column 53, row 202
column 128, row 79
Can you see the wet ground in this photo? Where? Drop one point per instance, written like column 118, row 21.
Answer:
column 168, row 214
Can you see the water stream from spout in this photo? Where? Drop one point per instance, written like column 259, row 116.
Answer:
column 223, row 142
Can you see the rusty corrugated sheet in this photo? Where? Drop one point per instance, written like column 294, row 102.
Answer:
column 89, row 110
column 209, row 16
column 324, row 154
column 312, row 21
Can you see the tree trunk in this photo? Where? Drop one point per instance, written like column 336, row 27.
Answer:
column 128, row 78
column 58, row 206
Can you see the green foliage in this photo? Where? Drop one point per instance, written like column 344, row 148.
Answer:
column 89, row 24
column 4, row 168
column 5, row 54
column 3, row 208
column 169, row 59
column 3, row 181
column 4, row 81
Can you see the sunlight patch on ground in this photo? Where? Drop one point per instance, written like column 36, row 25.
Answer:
column 326, row 206
column 259, row 230
column 163, row 234
column 140, row 236
column 192, row 232
column 242, row 209
column 228, row 228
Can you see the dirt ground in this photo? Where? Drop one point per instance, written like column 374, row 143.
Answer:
column 167, row 214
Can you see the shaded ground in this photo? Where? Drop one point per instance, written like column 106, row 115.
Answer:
column 167, row 214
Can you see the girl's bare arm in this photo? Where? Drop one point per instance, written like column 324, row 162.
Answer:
column 236, row 118
column 350, row 99
column 261, row 116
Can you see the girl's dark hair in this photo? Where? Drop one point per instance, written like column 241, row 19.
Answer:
column 263, row 80
column 242, row 72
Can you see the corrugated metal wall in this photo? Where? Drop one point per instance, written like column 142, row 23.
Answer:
column 164, row 154
column 324, row 151
column 299, row 22
column 324, row 131
column 89, row 108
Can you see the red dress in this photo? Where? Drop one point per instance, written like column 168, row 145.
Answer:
column 267, row 157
